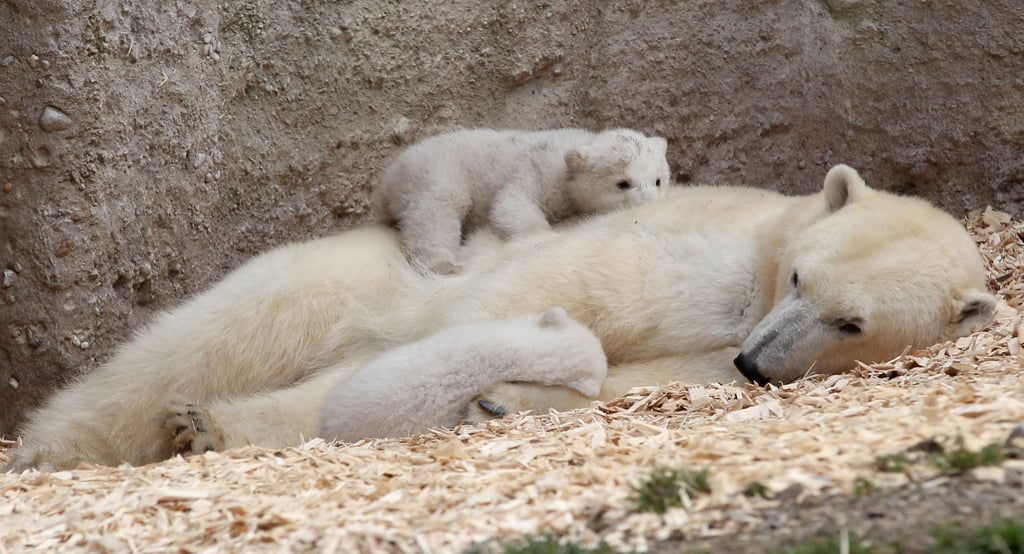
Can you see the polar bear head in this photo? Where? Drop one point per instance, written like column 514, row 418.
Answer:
column 863, row 274
column 618, row 168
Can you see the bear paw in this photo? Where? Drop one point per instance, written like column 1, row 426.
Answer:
column 514, row 397
column 481, row 409
column 41, row 459
column 193, row 430
column 498, row 401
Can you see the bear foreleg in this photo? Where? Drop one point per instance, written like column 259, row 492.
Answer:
column 277, row 419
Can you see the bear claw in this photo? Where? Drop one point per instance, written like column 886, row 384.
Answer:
column 192, row 430
column 497, row 410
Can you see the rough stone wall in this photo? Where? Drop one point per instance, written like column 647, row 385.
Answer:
column 148, row 148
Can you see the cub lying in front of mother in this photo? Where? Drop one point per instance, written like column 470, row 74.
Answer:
column 675, row 291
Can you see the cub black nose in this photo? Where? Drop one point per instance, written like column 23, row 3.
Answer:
column 749, row 370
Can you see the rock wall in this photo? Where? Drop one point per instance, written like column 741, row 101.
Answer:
column 145, row 151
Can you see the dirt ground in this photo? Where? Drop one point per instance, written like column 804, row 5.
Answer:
column 903, row 519
column 146, row 150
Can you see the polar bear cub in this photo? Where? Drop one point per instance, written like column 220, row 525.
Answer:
column 430, row 382
column 518, row 182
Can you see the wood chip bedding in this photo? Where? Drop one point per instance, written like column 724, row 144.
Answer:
column 558, row 473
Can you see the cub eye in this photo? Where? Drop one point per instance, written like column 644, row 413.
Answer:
column 657, row 182
column 795, row 280
column 849, row 329
column 623, row 185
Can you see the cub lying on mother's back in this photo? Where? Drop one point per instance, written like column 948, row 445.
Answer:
column 516, row 181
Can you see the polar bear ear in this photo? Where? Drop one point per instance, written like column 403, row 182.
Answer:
column 842, row 186
column 976, row 310
column 556, row 318
column 576, row 158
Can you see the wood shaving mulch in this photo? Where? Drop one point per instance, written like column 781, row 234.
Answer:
column 566, row 474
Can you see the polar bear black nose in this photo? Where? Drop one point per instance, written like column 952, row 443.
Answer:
column 749, row 370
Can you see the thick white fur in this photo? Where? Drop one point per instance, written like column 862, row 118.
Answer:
column 826, row 306
column 673, row 289
column 430, row 382
column 516, row 181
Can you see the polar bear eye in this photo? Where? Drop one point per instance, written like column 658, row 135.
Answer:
column 657, row 182
column 623, row 185
column 795, row 280
column 849, row 328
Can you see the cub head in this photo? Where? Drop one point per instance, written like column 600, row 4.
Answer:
column 618, row 168
column 862, row 275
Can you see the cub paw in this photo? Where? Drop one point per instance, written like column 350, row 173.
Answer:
column 192, row 429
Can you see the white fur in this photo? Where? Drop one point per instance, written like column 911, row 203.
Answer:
column 516, row 181
column 429, row 383
column 867, row 241
column 673, row 289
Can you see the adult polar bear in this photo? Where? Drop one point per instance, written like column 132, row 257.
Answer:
column 674, row 290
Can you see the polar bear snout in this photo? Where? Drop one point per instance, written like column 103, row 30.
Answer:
column 750, row 370
column 792, row 338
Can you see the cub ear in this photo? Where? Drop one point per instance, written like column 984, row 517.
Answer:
column 576, row 158
column 658, row 144
column 976, row 310
column 842, row 186
column 555, row 318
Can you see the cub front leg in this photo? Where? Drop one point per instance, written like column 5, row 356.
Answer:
column 515, row 213
column 432, row 234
